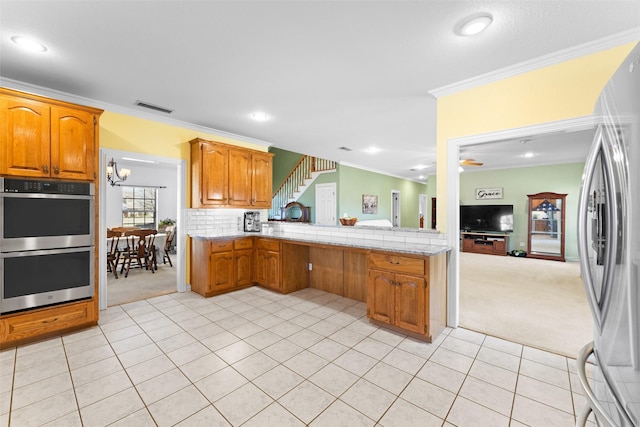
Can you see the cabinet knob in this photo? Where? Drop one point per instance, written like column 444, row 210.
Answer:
column 56, row 170
column 45, row 168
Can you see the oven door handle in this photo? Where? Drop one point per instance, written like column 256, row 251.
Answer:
column 46, row 252
column 47, row 196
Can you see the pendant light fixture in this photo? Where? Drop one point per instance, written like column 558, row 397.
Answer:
column 112, row 171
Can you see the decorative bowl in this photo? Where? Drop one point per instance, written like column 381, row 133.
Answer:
column 348, row 221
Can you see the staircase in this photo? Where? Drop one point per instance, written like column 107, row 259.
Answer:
column 296, row 183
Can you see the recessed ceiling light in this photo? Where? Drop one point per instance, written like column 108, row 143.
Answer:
column 372, row 150
column 29, row 44
column 474, row 24
column 259, row 116
column 528, row 155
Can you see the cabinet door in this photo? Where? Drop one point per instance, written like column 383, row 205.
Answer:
column 261, row 180
column 410, row 303
column 268, row 269
column 467, row 244
column 239, row 178
column 24, row 137
column 214, row 175
column 243, row 268
column 380, row 296
column 220, row 271
column 72, row 144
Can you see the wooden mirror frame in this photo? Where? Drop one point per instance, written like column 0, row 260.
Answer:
column 548, row 196
column 304, row 212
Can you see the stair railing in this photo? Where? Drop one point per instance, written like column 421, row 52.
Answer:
column 296, row 178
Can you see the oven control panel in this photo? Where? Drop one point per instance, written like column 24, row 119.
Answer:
column 15, row 185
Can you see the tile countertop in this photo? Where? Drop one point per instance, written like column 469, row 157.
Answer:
column 423, row 249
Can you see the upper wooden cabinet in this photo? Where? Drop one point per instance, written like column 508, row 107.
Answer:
column 40, row 137
column 227, row 176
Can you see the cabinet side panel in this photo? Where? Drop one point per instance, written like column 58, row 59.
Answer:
column 437, row 293
column 326, row 273
column 355, row 275
column 295, row 271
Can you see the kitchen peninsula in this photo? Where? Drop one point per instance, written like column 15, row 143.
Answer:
column 399, row 273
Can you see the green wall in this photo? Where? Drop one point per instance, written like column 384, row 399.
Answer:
column 357, row 182
column 351, row 184
column 517, row 184
column 283, row 162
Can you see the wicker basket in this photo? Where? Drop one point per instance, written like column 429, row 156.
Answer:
column 348, row 221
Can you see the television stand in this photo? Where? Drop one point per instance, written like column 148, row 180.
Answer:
column 485, row 243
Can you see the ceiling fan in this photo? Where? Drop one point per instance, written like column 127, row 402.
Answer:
column 470, row 162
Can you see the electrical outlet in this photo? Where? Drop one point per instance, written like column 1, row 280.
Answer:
column 310, row 266
column 522, row 244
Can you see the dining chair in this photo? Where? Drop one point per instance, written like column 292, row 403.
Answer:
column 113, row 253
column 141, row 247
column 168, row 244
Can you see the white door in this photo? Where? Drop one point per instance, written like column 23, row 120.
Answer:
column 395, row 208
column 326, row 206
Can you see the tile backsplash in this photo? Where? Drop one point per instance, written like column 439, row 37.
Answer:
column 229, row 222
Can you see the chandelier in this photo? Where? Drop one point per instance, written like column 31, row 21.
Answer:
column 112, row 170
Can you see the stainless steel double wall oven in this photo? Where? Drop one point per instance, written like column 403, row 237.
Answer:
column 47, row 242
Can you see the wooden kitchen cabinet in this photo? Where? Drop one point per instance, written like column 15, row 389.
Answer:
column 36, row 324
column 267, row 263
column 400, row 294
column 212, row 269
column 243, row 262
column 228, row 176
column 41, row 138
column 261, row 180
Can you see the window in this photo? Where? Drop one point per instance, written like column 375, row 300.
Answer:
column 139, row 207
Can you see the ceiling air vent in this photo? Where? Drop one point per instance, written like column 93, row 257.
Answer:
column 344, row 148
column 153, row 107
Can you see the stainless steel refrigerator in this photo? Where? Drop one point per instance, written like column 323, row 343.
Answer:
column 609, row 248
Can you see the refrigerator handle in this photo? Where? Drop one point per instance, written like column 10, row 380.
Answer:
column 592, row 402
column 583, row 208
column 583, row 415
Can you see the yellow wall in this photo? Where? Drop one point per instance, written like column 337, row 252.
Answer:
column 557, row 92
column 128, row 133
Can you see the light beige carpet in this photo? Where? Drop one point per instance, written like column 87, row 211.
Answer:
column 141, row 284
column 534, row 302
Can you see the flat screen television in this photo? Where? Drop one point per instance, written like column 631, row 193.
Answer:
column 486, row 218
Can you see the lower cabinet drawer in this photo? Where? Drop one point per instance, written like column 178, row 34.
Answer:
column 221, row 245
column 22, row 326
column 243, row 243
column 400, row 264
column 268, row 244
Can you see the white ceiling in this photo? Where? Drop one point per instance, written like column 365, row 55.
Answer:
column 329, row 73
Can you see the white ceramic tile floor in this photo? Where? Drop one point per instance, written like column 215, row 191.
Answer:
column 259, row 358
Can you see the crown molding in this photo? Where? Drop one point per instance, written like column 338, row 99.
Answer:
column 540, row 62
column 75, row 99
column 352, row 165
column 566, row 125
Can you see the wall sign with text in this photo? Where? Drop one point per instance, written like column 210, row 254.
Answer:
column 489, row 193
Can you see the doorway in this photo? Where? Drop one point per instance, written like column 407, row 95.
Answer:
column 453, row 198
column 395, row 208
column 326, row 204
column 422, row 209
column 176, row 169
